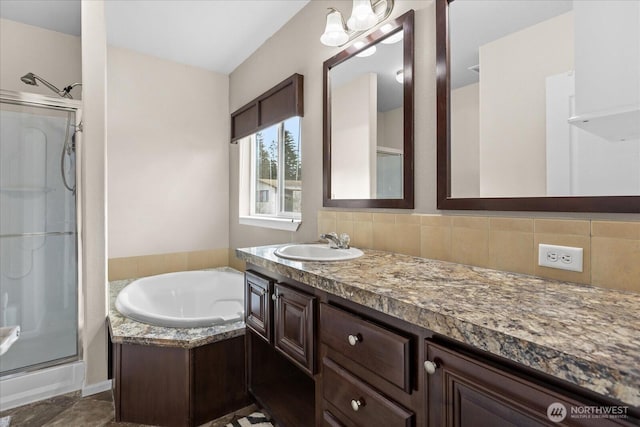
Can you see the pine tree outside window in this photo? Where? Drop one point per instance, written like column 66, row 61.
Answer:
column 276, row 171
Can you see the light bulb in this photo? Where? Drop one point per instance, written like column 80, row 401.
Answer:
column 362, row 16
column 335, row 33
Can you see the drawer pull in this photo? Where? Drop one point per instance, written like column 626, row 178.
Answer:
column 430, row 367
column 274, row 297
column 354, row 339
column 356, row 404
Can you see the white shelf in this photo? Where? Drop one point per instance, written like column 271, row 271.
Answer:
column 621, row 124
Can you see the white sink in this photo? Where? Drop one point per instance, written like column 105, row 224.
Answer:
column 317, row 252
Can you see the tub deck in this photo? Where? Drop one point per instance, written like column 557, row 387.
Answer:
column 127, row 331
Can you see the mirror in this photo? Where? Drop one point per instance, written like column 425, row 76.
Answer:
column 538, row 105
column 368, row 120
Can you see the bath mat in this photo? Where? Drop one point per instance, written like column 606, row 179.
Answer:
column 5, row 421
column 257, row 419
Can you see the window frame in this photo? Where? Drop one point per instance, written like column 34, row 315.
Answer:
column 281, row 219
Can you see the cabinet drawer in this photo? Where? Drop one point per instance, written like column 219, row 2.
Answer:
column 328, row 420
column 384, row 352
column 294, row 313
column 257, row 301
column 360, row 402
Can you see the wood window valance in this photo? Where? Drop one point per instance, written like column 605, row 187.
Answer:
column 282, row 101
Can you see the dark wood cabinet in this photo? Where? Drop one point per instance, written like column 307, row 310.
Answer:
column 281, row 349
column 464, row 391
column 315, row 359
column 259, row 316
column 366, row 370
column 358, row 401
column 383, row 352
column 294, row 312
column 174, row 386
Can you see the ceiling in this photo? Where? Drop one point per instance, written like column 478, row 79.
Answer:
column 217, row 35
column 474, row 23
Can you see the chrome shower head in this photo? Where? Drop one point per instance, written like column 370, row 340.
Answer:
column 29, row 79
column 32, row 79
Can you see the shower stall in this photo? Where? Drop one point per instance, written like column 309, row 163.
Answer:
column 39, row 236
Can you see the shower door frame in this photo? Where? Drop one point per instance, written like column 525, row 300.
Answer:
column 61, row 104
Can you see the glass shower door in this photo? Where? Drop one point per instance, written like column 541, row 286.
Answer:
column 38, row 239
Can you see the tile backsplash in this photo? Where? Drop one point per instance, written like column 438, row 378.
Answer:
column 611, row 248
column 149, row 265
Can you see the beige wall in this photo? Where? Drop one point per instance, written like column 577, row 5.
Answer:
column 465, row 141
column 168, row 156
column 296, row 49
column 54, row 56
column 390, row 130
column 354, row 138
column 94, row 186
column 513, row 105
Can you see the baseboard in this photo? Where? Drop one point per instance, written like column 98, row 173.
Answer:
column 42, row 384
column 96, row 388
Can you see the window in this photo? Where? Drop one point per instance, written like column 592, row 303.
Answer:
column 274, row 159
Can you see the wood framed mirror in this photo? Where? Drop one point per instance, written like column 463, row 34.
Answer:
column 368, row 115
column 583, row 112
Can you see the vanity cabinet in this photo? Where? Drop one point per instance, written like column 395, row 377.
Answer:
column 463, row 390
column 283, row 316
column 281, row 349
column 379, row 355
column 259, row 316
column 316, row 359
column 294, row 314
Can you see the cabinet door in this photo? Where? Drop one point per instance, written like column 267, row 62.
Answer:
column 294, row 314
column 258, row 314
column 462, row 391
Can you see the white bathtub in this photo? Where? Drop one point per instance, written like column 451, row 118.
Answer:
column 186, row 299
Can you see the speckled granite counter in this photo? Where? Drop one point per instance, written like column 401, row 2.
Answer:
column 125, row 330
column 585, row 335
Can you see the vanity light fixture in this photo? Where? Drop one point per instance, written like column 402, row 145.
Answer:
column 400, row 76
column 365, row 15
column 367, row 52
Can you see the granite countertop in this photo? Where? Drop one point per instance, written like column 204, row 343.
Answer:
column 127, row 331
column 585, row 335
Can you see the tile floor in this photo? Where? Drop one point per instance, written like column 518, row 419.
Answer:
column 72, row 410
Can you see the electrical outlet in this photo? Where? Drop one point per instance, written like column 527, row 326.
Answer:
column 561, row 257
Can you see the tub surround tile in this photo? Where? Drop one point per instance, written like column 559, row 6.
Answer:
column 149, row 265
column 581, row 334
column 127, row 331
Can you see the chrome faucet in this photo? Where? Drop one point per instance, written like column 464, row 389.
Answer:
column 336, row 242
